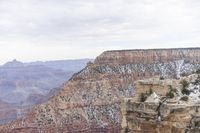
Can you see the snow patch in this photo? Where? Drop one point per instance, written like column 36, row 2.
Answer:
column 153, row 98
column 195, row 93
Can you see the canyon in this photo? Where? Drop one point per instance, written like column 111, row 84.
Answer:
column 23, row 85
column 103, row 97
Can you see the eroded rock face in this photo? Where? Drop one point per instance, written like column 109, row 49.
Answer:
column 159, row 113
column 90, row 100
column 142, row 118
column 148, row 56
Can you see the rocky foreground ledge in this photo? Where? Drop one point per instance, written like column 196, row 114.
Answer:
column 163, row 106
column 91, row 100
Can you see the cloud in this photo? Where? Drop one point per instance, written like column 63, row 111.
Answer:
column 88, row 27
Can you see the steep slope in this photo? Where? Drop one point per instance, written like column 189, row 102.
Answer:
column 90, row 100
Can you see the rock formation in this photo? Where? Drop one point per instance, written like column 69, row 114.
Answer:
column 160, row 112
column 91, row 100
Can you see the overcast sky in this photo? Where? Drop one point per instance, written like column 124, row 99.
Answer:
column 69, row 29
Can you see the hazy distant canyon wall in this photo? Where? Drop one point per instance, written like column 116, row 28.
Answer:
column 25, row 84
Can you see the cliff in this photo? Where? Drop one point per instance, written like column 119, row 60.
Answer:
column 91, row 100
column 148, row 56
column 160, row 112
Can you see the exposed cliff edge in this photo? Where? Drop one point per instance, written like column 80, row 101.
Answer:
column 148, row 56
column 90, row 100
column 163, row 106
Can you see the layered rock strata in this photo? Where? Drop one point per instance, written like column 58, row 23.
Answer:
column 159, row 113
column 91, row 100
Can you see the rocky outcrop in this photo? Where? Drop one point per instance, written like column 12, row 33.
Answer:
column 91, row 100
column 159, row 113
column 143, row 117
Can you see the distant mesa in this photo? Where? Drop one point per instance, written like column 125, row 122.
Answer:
column 13, row 63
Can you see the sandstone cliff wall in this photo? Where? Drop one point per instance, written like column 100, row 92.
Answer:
column 148, row 56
